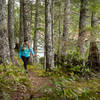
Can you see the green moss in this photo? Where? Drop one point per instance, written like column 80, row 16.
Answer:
column 36, row 69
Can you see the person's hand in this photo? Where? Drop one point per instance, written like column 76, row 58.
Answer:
column 34, row 55
column 20, row 59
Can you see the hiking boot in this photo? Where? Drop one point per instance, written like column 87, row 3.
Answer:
column 26, row 71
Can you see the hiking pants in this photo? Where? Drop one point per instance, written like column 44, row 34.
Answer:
column 25, row 60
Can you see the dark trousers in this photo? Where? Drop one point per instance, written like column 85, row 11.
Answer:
column 25, row 60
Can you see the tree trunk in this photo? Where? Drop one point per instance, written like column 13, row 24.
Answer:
column 11, row 28
column 59, row 37
column 21, row 35
column 66, row 26
column 36, row 32
column 94, row 20
column 82, row 26
column 66, row 20
column 4, row 44
column 52, row 18
column 59, row 51
column 94, row 62
column 27, row 24
column 27, row 19
column 48, row 35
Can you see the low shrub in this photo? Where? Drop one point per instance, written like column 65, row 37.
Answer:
column 72, row 62
column 13, row 80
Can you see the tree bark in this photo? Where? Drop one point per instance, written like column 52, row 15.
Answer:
column 94, row 20
column 4, row 43
column 36, row 32
column 27, row 20
column 21, row 35
column 59, row 49
column 82, row 26
column 66, row 26
column 59, row 40
column 94, row 62
column 11, row 28
column 48, row 35
column 27, row 24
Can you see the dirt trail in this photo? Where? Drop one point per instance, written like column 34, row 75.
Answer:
column 38, row 82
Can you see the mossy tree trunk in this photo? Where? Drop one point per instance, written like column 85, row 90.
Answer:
column 11, row 28
column 21, row 33
column 36, row 32
column 27, row 24
column 94, row 61
column 66, row 26
column 4, row 43
column 27, row 19
column 49, row 35
column 82, row 26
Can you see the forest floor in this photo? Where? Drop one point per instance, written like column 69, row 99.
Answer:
column 48, row 84
column 91, row 85
column 38, row 82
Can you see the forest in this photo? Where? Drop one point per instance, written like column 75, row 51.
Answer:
column 50, row 50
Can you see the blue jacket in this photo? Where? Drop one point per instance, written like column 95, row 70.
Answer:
column 26, row 52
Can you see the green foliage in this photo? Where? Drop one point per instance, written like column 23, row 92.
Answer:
column 73, row 62
column 13, row 79
column 67, row 88
column 5, row 96
column 37, row 68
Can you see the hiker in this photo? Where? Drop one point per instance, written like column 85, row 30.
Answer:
column 25, row 52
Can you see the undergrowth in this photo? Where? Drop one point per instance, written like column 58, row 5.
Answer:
column 13, row 80
column 64, row 86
